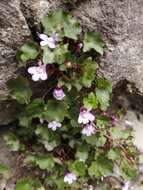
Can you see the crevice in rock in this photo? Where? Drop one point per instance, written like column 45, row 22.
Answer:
column 72, row 5
column 29, row 17
column 127, row 97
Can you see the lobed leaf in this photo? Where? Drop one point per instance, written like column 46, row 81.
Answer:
column 29, row 51
column 62, row 23
column 20, row 90
column 92, row 40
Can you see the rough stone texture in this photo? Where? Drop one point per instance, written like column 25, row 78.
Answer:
column 121, row 23
column 13, row 32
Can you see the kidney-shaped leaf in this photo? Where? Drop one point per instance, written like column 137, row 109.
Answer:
column 62, row 23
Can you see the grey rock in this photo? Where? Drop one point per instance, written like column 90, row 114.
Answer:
column 121, row 24
column 13, row 32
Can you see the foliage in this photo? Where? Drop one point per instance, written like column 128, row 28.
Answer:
column 4, row 171
column 66, row 129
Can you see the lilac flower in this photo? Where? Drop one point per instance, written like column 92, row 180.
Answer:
column 128, row 124
column 105, row 114
column 41, row 121
column 85, row 116
column 38, row 72
column 54, row 125
column 126, row 186
column 114, row 119
column 58, row 93
column 80, row 45
column 50, row 41
column 88, row 130
column 70, row 178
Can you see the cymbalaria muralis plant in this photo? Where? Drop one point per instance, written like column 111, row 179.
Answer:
column 64, row 129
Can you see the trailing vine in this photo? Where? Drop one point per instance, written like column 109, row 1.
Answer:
column 66, row 132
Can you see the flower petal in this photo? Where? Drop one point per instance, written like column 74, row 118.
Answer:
column 55, row 37
column 79, row 119
column 91, row 117
column 43, row 37
column 43, row 43
column 51, row 43
column 35, row 77
column 44, row 76
column 32, row 70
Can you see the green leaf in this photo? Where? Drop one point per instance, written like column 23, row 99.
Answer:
column 88, row 72
column 101, row 121
column 53, row 111
column 103, row 98
column 30, row 158
column 45, row 162
column 92, row 140
column 27, row 184
column 92, row 40
column 101, row 140
column 95, row 140
column 24, row 121
column 129, row 172
column 19, row 89
column 90, row 101
column 103, row 91
column 94, row 170
column 119, row 133
column 48, row 55
column 71, row 27
column 47, row 137
column 114, row 154
column 78, row 168
column 4, row 170
column 58, row 55
column 82, row 153
column 62, row 23
column 102, row 166
column 62, row 54
column 35, row 108
column 12, row 141
column 42, row 132
column 28, row 51
column 104, row 84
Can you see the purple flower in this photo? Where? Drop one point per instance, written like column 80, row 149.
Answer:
column 128, row 124
column 114, row 119
column 58, row 93
column 85, row 116
column 88, row 130
column 54, row 125
column 50, row 41
column 38, row 72
column 70, row 178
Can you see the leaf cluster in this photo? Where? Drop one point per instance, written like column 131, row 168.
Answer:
column 71, row 67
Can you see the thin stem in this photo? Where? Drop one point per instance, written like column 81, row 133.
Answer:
column 129, row 158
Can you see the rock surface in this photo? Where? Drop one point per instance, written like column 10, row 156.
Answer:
column 13, row 32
